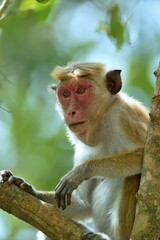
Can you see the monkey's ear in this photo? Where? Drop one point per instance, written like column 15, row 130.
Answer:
column 52, row 88
column 113, row 81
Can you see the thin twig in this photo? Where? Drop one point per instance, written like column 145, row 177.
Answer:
column 5, row 78
column 4, row 6
column 5, row 109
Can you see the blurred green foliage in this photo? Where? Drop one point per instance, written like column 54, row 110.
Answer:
column 35, row 37
column 115, row 27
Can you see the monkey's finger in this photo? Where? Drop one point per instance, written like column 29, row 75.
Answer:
column 59, row 186
column 28, row 188
column 69, row 197
column 63, row 197
column 58, row 196
column 66, row 196
column 16, row 180
column 63, row 193
column 63, row 202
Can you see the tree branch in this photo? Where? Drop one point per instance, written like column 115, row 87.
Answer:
column 147, row 221
column 4, row 6
column 39, row 214
column 43, row 216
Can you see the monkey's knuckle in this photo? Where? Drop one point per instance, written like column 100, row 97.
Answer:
column 57, row 193
column 65, row 180
column 14, row 180
column 5, row 175
column 71, row 186
column 27, row 186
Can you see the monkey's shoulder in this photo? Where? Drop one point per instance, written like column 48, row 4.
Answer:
column 131, row 118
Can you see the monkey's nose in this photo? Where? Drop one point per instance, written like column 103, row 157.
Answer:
column 73, row 113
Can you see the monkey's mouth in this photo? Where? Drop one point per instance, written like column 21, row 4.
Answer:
column 76, row 124
column 78, row 127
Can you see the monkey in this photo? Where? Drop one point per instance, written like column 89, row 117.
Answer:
column 101, row 121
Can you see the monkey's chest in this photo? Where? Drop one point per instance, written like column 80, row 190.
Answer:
column 84, row 152
column 106, row 198
column 108, row 190
column 101, row 192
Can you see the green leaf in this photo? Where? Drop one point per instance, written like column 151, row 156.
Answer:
column 115, row 27
column 34, row 4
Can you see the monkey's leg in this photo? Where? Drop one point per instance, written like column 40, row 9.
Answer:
column 78, row 209
column 7, row 176
column 128, row 206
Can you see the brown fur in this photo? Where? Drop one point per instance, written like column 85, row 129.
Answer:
column 104, row 126
column 128, row 205
column 118, row 124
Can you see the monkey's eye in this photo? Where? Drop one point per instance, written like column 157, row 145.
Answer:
column 81, row 90
column 66, row 94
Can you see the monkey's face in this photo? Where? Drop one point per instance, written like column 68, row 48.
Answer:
column 85, row 93
column 77, row 99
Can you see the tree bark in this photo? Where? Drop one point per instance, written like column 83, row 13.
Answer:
column 147, row 221
column 39, row 214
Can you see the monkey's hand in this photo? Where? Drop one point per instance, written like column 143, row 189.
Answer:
column 7, row 176
column 67, row 184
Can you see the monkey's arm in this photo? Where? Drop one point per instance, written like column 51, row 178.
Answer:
column 121, row 165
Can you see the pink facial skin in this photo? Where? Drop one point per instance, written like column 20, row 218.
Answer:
column 76, row 98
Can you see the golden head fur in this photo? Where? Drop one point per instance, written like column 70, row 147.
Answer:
column 75, row 70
